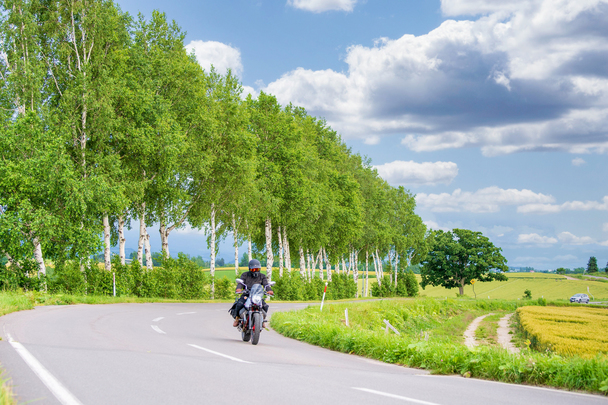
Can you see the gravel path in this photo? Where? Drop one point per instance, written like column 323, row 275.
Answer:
column 469, row 334
column 504, row 338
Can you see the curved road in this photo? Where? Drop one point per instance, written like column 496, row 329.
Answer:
column 191, row 354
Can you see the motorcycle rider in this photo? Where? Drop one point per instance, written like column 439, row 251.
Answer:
column 250, row 278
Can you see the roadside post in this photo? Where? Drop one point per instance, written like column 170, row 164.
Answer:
column 323, row 299
column 473, row 284
column 589, row 292
column 114, row 283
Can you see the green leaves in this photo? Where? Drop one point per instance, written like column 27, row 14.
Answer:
column 455, row 258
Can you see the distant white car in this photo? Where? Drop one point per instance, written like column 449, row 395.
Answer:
column 580, row 298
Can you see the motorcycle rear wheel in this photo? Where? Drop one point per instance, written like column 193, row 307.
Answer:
column 257, row 327
column 246, row 335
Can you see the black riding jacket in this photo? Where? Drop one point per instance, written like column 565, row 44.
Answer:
column 250, row 278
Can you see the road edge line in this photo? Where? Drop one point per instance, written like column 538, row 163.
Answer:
column 49, row 380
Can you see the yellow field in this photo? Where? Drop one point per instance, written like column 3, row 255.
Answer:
column 566, row 330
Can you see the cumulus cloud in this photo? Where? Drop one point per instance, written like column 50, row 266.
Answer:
column 489, row 199
column 535, row 239
column 567, row 206
column 400, row 173
column 319, row 6
column 523, row 75
column 578, row 161
column 568, row 238
column 221, row 56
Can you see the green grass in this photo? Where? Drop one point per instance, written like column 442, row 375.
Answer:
column 423, row 341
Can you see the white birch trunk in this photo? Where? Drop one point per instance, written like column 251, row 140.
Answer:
column 286, row 250
column 327, row 265
column 378, row 277
column 302, row 263
column 396, row 267
column 38, row 256
column 142, row 234
column 164, row 237
column 366, row 273
column 321, row 263
column 344, row 268
column 307, row 265
column 212, row 258
column 107, row 259
column 236, row 245
column 269, row 255
column 380, row 266
column 121, row 240
column 248, row 241
column 356, row 271
column 149, row 264
column 280, row 251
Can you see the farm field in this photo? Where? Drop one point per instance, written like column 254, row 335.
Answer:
column 548, row 286
column 566, row 330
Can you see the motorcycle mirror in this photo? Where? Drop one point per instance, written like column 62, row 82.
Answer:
column 238, row 280
column 272, row 282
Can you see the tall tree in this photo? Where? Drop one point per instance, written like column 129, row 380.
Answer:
column 455, row 258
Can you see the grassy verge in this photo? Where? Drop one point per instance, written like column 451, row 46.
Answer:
column 419, row 344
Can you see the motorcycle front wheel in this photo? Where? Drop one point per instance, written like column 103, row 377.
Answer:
column 257, row 327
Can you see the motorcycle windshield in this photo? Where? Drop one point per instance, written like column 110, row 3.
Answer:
column 255, row 296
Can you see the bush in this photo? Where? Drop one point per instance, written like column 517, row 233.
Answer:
column 27, row 278
column 224, row 289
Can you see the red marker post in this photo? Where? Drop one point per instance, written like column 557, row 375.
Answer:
column 323, row 299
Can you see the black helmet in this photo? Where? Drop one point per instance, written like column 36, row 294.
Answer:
column 254, row 265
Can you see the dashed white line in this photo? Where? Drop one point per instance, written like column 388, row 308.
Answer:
column 159, row 330
column 186, row 313
column 61, row 393
column 386, row 394
column 158, row 319
column 220, row 354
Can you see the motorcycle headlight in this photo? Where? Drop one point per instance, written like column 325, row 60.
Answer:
column 257, row 300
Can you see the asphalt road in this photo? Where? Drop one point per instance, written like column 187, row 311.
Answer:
column 191, row 354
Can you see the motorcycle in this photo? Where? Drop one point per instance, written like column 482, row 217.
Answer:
column 252, row 315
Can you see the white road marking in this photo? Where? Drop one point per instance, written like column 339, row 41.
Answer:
column 61, row 393
column 156, row 328
column 220, row 354
column 386, row 394
column 158, row 319
column 186, row 313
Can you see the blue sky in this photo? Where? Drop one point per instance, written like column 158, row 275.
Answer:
column 494, row 113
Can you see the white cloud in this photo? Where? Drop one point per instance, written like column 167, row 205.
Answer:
column 605, row 227
column 535, row 239
column 400, row 173
column 319, row 6
column 221, row 56
column 568, row 238
column 567, row 206
column 489, row 199
column 578, row 161
column 525, row 75
column 436, row 227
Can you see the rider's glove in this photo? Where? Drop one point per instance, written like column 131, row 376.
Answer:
column 270, row 293
column 238, row 290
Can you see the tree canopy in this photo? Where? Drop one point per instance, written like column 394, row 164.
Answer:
column 107, row 119
column 457, row 257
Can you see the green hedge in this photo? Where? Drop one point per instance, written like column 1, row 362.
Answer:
column 179, row 278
